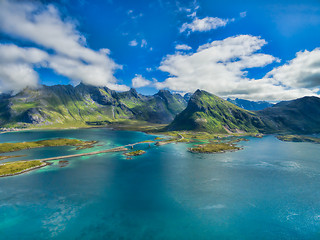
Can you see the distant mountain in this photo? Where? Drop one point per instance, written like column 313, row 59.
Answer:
column 250, row 105
column 65, row 104
column 297, row 116
column 187, row 96
column 76, row 106
column 159, row 108
column 207, row 112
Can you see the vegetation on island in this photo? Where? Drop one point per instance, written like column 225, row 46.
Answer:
column 205, row 137
column 298, row 138
column 136, row 125
column 12, row 147
column 13, row 168
column 210, row 143
column 159, row 138
column 135, row 153
column 147, row 141
column 214, row 148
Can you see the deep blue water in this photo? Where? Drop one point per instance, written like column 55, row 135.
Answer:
column 269, row 190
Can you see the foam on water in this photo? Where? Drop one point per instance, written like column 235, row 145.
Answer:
column 215, row 206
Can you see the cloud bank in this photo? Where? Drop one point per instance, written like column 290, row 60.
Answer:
column 301, row 72
column 221, row 68
column 69, row 54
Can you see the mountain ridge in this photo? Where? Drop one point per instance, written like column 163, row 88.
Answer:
column 250, row 105
column 207, row 112
column 83, row 105
column 62, row 104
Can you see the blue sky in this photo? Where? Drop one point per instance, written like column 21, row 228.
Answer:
column 259, row 50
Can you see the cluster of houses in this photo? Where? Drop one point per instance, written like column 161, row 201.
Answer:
column 9, row 129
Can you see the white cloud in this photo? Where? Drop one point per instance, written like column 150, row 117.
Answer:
column 301, row 72
column 133, row 43
column 132, row 15
column 143, row 43
column 138, row 81
column 182, row 47
column 220, row 67
column 10, row 53
column 204, row 24
column 16, row 67
column 44, row 26
column 243, row 14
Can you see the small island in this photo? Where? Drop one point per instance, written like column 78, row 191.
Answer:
column 15, row 168
column 12, row 147
column 134, row 153
column 298, row 138
column 214, row 148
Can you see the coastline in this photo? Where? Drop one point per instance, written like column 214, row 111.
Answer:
column 174, row 137
column 223, row 151
column 25, row 170
column 45, row 160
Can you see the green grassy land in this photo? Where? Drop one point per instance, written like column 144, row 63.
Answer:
column 298, row 138
column 194, row 136
column 135, row 153
column 213, row 148
column 12, row 147
column 16, row 167
column 136, row 125
column 208, row 113
column 209, row 142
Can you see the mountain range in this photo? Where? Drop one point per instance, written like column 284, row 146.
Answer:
column 207, row 112
column 250, row 105
column 66, row 105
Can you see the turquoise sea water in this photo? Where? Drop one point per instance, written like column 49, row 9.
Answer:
column 269, row 190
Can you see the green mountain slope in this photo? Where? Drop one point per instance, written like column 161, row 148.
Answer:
column 65, row 104
column 207, row 112
column 297, row 116
column 160, row 108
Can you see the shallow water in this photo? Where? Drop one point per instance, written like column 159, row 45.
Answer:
column 269, row 190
